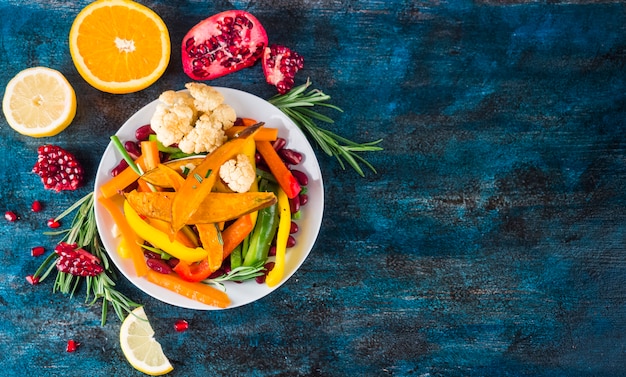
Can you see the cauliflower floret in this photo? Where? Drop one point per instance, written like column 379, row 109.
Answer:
column 225, row 115
column 205, row 137
column 238, row 174
column 195, row 120
column 206, row 99
column 174, row 117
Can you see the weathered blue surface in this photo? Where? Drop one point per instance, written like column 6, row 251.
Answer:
column 491, row 241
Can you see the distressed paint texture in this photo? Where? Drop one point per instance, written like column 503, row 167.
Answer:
column 490, row 243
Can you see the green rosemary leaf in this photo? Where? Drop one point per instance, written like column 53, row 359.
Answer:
column 298, row 105
column 83, row 231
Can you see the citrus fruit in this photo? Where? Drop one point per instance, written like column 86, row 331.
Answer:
column 142, row 351
column 39, row 102
column 119, row 46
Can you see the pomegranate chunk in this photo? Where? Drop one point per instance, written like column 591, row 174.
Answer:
column 280, row 65
column 221, row 44
column 76, row 261
column 59, row 169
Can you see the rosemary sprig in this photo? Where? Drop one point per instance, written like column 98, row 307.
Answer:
column 297, row 104
column 241, row 273
column 84, row 233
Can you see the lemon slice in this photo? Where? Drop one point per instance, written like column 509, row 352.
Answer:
column 142, row 351
column 39, row 102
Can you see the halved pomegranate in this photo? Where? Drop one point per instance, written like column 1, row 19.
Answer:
column 280, row 65
column 223, row 43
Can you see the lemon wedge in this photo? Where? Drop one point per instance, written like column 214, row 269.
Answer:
column 142, row 351
column 39, row 102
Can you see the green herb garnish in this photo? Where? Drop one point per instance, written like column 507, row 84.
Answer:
column 84, row 233
column 297, row 104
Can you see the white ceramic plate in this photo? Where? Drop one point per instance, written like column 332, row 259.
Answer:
column 249, row 106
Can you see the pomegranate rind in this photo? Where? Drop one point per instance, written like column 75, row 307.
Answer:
column 88, row 54
column 201, row 70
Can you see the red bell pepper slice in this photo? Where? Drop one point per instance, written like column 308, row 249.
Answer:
column 193, row 272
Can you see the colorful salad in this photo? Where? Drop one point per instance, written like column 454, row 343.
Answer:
column 191, row 221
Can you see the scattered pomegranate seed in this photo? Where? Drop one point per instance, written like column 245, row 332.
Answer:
column 10, row 216
column 52, row 223
column 72, row 345
column 37, row 251
column 36, row 206
column 181, row 325
column 32, row 279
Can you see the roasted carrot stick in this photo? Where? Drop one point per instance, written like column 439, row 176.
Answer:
column 283, row 176
column 235, row 233
column 195, row 291
column 118, row 183
column 150, row 151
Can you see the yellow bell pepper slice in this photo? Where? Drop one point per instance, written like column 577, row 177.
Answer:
column 284, row 226
column 160, row 239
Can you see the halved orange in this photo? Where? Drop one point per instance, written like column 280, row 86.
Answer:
column 119, row 46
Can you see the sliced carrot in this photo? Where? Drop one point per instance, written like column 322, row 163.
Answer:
column 283, row 176
column 210, row 239
column 132, row 240
column 120, row 182
column 195, row 291
column 264, row 133
column 247, row 122
column 150, row 151
column 235, row 233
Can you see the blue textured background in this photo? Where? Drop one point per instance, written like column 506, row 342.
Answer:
column 491, row 241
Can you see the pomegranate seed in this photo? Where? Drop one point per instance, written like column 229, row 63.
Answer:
column 10, row 216
column 294, row 228
column 37, row 251
column 36, row 206
column 32, row 279
column 52, row 223
column 72, row 345
column 181, row 325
